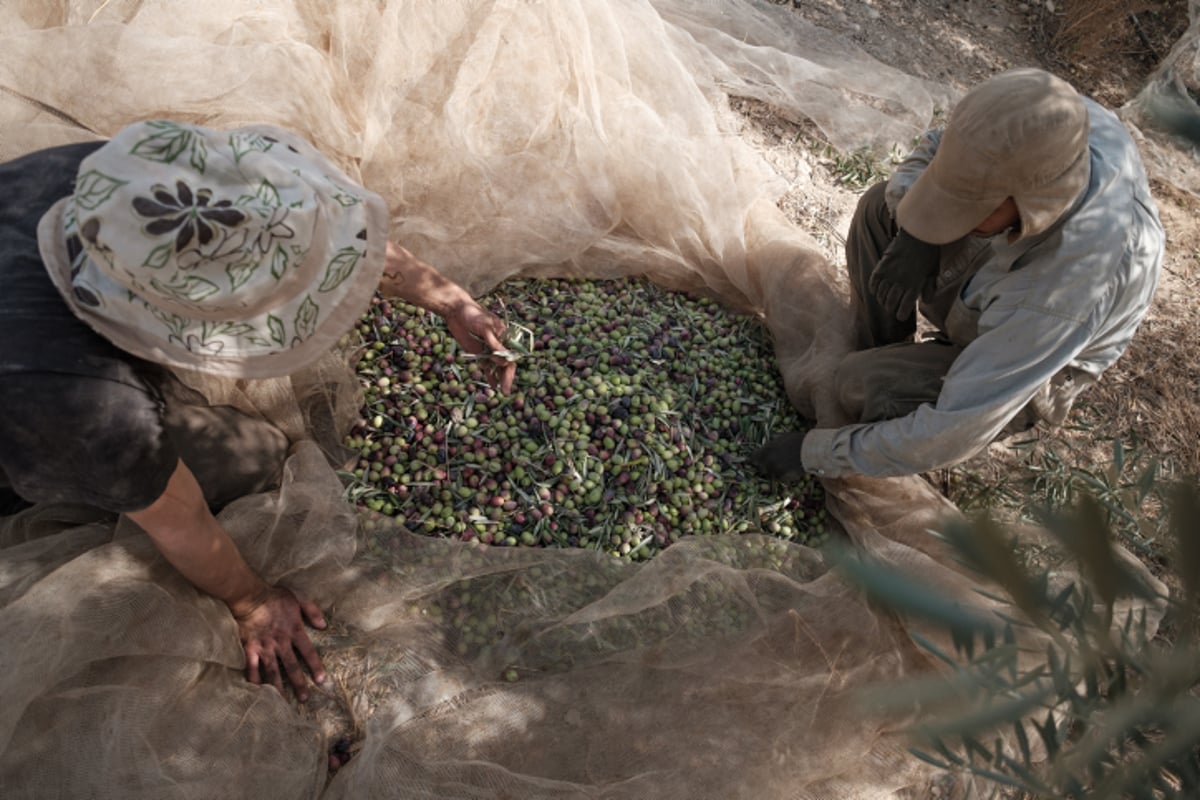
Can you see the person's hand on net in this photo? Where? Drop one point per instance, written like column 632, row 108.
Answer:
column 906, row 270
column 272, row 633
column 480, row 332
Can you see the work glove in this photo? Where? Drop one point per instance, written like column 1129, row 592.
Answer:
column 780, row 457
column 907, row 269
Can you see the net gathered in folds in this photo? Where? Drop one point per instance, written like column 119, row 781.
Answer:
column 510, row 138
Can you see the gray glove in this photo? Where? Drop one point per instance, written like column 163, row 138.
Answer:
column 780, row 457
column 907, row 269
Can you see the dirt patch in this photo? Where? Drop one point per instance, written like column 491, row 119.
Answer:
column 1104, row 47
column 954, row 42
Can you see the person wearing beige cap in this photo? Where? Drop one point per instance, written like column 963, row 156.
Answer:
column 1025, row 234
column 242, row 253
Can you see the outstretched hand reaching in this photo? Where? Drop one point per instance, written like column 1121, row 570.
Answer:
column 479, row 331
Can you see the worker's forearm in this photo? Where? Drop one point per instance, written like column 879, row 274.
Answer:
column 186, row 533
column 207, row 557
column 407, row 277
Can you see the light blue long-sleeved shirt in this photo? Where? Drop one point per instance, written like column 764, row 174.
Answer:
column 1065, row 302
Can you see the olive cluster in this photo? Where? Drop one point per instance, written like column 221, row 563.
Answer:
column 630, row 423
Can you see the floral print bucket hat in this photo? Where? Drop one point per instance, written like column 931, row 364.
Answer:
column 243, row 253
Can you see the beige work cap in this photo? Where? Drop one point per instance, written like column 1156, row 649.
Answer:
column 1021, row 134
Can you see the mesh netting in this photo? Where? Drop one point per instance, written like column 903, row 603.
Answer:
column 568, row 138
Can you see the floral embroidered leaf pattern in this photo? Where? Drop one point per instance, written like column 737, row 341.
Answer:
column 346, row 199
column 340, row 267
column 199, row 159
column 93, row 188
column 240, row 272
column 242, row 144
column 279, row 262
column 267, row 194
column 166, row 145
column 275, row 325
column 258, row 341
column 175, row 324
column 210, row 330
column 190, row 288
column 159, row 257
column 306, row 318
column 194, row 344
column 274, row 228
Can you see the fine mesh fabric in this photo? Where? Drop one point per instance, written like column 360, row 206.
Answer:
column 510, row 138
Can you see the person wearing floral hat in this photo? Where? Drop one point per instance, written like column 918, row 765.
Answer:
column 242, row 253
column 1025, row 233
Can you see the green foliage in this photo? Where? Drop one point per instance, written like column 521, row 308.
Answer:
column 1128, row 488
column 862, row 168
column 1069, row 692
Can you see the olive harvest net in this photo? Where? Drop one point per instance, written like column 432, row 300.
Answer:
column 511, row 139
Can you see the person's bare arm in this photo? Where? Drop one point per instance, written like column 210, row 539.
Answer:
column 475, row 328
column 270, row 619
column 409, row 278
